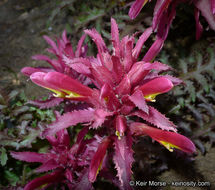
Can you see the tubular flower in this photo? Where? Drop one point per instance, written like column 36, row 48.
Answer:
column 122, row 87
column 168, row 139
column 62, row 85
column 165, row 10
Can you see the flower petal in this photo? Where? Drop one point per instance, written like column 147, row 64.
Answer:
column 160, row 7
column 28, row 71
column 46, row 179
column 38, row 78
column 205, row 7
column 169, row 139
column 67, row 84
column 153, row 50
column 97, row 159
column 136, row 8
column 121, row 126
column 155, row 86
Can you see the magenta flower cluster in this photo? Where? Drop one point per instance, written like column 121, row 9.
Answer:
column 121, row 85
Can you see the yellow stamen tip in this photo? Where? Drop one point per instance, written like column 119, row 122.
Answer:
column 119, row 135
column 151, row 97
column 71, row 94
column 99, row 168
column 59, row 95
column 169, row 146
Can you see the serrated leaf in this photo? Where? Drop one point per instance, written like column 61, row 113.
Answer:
column 123, row 160
column 156, row 118
column 181, row 102
column 69, row 119
column 191, row 90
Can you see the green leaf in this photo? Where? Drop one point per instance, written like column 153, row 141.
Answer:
column 19, row 103
column 11, row 177
column 4, row 157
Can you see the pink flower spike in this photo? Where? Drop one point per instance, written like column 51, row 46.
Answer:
column 68, row 85
column 168, row 139
column 136, row 8
column 97, row 159
column 155, row 86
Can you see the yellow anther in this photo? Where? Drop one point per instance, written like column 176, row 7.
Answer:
column 57, row 94
column 151, row 97
column 71, row 94
column 169, row 146
column 119, row 135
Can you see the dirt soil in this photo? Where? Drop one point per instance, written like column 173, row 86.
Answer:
column 22, row 25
